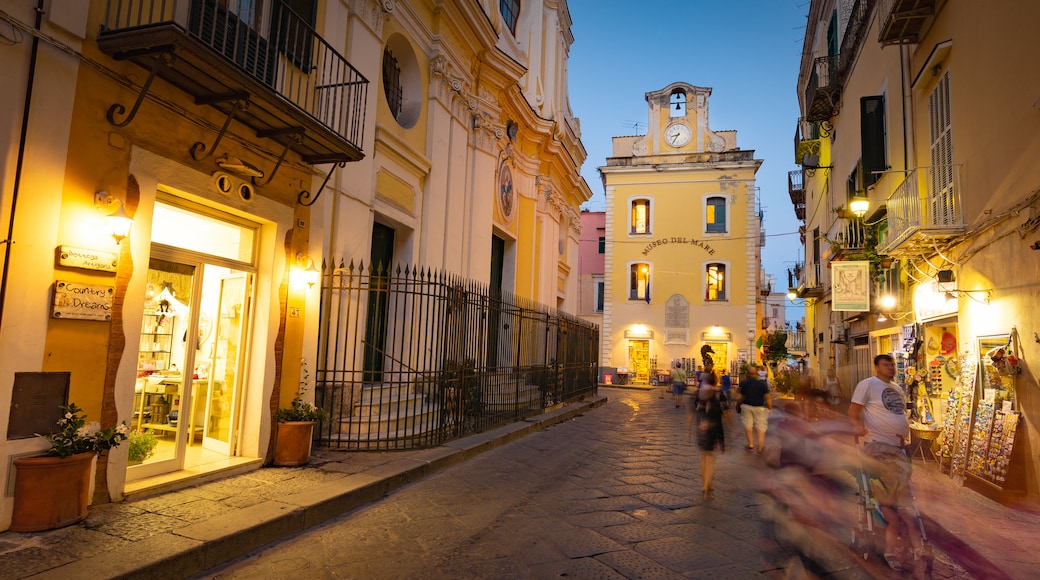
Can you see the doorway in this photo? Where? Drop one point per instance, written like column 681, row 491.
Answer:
column 639, row 360
column 195, row 330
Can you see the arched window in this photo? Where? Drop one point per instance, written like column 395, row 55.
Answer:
column 639, row 281
column 677, row 104
column 392, row 83
column 510, row 10
column 715, row 282
column 715, row 215
column 640, row 223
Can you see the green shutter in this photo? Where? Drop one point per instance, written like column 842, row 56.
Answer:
column 872, row 135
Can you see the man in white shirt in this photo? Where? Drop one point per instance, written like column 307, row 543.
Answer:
column 878, row 413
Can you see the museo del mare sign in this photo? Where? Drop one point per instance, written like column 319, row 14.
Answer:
column 677, row 240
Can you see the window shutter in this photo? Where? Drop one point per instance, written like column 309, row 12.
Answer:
column 872, row 135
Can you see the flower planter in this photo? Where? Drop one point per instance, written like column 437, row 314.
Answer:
column 886, row 263
column 51, row 492
column 292, row 444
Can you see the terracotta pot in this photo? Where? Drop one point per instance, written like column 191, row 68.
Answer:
column 51, row 492
column 886, row 262
column 292, row 443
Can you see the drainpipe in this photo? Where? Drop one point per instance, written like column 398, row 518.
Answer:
column 909, row 155
column 9, row 241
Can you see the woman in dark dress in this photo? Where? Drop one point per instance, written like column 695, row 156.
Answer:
column 711, row 435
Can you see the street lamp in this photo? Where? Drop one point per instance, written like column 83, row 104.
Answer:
column 859, row 206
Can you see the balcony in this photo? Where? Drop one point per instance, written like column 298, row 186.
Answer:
column 850, row 239
column 823, row 91
column 283, row 81
column 810, row 281
column 906, row 21
column 796, row 187
column 796, row 342
column 924, row 211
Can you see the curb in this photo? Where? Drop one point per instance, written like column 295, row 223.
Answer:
column 198, row 547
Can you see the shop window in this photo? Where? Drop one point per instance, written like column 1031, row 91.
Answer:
column 639, row 281
column 640, row 216
column 715, row 215
column 715, row 282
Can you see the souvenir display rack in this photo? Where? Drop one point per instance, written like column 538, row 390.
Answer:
column 954, row 440
column 996, row 421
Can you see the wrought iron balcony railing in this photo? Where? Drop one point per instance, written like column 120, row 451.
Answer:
column 796, row 187
column 925, row 210
column 906, row 21
column 796, row 343
column 811, row 282
column 823, row 91
column 282, row 79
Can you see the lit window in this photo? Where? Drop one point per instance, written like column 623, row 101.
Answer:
column 716, row 282
column 639, row 282
column 641, row 216
column 715, row 217
column 510, row 12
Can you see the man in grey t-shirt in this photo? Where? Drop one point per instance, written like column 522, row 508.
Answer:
column 878, row 413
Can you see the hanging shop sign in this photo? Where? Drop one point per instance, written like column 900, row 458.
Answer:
column 930, row 304
column 82, row 301
column 850, row 286
column 87, row 259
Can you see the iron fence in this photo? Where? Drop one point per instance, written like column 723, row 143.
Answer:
column 411, row 357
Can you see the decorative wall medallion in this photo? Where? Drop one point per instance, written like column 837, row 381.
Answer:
column 639, row 148
column 505, row 190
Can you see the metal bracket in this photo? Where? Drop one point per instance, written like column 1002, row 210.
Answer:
column 306, row 194
column 164, row 59
column 241, row 102
column 296, row 134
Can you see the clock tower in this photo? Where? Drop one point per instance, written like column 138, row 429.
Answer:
column 681, row 245
column 678, row 122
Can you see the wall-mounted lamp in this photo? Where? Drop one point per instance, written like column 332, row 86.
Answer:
column 119, row 221
column 946, row 282
column 887, row 301
column 792, row 293
column 859, row 206
column 304, row 272
column 811, row 162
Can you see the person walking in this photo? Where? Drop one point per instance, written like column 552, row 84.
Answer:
column 755, row 405
column 678, row 384
column 832, row 385
column 878, row 414
column 711, row 435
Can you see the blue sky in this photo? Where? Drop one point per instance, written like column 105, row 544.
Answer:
column 747, row 51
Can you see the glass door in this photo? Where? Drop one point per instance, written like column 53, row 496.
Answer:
column 224, row 362
column 162, row 388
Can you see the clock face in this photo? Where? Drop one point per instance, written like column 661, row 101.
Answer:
column 677, row 135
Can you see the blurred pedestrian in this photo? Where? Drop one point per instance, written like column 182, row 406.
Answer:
column 755, row 404
column 832, row 386
column 710, row 433
column 878, row 413
column 678, row 384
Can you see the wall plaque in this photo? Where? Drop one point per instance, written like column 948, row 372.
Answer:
column 86, row 259
column 35, row 402
column 82, row 301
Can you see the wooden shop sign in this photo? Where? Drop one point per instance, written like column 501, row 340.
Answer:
column 82, row 301
column 86, row 259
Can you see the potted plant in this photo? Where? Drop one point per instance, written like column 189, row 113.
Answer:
column 52, row 490
column 294, row 430
column 843, row 213
column 140, row 446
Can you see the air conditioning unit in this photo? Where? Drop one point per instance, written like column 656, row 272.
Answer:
column 838, row 333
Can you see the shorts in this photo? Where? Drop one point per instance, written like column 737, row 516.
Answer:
column 889, row 471
column 678, row 388
column 755, row 417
